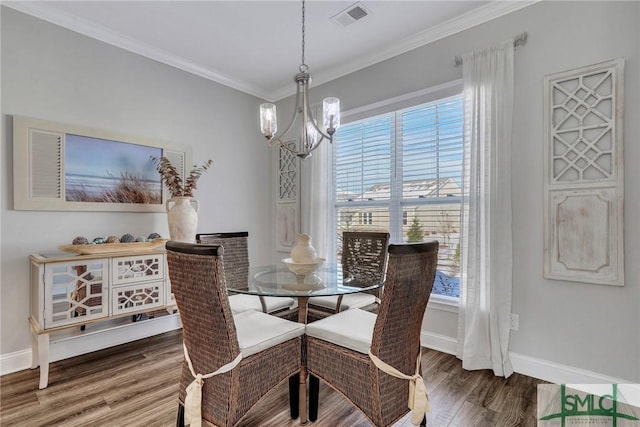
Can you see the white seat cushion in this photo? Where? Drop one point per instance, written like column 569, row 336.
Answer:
column 357, row 300
column 350, row 328
column 258, row 331
column 243, row 302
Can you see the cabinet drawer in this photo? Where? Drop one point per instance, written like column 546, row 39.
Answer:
column 137, row 297
column 137, row 269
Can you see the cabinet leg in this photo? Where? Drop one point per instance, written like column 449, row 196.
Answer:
column 35, row 362
column 43, row 357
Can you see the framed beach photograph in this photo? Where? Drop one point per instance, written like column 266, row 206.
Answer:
column 108, row 171
column 65, row 167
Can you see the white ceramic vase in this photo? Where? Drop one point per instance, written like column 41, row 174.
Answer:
column 303, row 252
column 182, row 214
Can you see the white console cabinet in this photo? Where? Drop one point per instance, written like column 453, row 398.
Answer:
column 83, row 303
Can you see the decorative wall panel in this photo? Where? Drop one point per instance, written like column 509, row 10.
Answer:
column 584, row 174
column 288, row 200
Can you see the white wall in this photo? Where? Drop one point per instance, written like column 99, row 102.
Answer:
column 55, row 74
column 589, row 326
column 585, row 326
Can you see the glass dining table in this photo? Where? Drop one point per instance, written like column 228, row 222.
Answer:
column 278, row 281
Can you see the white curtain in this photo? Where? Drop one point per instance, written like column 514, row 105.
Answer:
column 486, row 279
column 315, row 176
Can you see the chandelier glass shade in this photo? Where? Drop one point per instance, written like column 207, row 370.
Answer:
column 311, row 133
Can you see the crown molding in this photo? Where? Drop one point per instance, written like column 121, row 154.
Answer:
column 468, row 20
column 463, row 22
column 47, row 13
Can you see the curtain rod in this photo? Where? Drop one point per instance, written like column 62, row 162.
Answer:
column 518, row 40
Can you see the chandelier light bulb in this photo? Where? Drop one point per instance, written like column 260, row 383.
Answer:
column 331, row 114
column 268, row 120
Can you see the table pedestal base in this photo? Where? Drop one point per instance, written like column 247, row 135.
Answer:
column 303, row 304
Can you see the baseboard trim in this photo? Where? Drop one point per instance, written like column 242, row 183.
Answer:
column 439, row 342
column 541, row 369
column 14, row 362
column 559, row 374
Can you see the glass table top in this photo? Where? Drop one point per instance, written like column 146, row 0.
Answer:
column 277, row 280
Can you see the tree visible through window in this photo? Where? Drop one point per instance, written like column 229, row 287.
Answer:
column 401, row 172
column 415, row 233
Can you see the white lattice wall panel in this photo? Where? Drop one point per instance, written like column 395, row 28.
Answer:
column 584, row 174
column 137, row 297
column 583, row 126
column 287, row 175
column 140, row 268
column 75, row 291
column 288, row 200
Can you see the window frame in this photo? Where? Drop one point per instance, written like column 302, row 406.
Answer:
column 396, row 204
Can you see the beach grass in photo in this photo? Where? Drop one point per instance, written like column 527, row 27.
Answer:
column 108, row 171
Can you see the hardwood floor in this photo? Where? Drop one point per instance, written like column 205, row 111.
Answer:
column 135, row 384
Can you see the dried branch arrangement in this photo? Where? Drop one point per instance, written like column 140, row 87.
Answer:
column 173, row 180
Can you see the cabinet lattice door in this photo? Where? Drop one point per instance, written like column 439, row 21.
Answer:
column 76, row 291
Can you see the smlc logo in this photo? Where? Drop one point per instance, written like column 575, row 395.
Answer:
column 567, row 406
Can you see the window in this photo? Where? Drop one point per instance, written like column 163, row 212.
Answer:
column 402, row 172
column 365, row 218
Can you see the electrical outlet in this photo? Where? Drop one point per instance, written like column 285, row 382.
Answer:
column 515, row 322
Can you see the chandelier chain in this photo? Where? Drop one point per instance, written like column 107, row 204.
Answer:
column 311, row 134
column 303, row 66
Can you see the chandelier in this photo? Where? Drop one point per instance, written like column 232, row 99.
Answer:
column 311, row 134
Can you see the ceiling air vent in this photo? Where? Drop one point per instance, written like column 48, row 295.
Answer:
column 353, row 13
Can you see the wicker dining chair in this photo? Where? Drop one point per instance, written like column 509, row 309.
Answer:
column 340, row 356
column 236, row 262
column 261, row 350
column 364, row 257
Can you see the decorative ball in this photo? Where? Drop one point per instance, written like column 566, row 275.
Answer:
column 113, row 239
column 127, row 238
column 99, row 240
column 153, row 236
column 80, row 240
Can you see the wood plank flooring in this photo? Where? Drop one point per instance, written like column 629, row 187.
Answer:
column 136, row 384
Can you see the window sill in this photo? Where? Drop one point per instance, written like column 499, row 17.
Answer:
column 444, row 303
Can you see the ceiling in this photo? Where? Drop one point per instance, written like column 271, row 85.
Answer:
column 255, row 46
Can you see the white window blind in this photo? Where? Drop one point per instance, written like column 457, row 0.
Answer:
column 402, row 172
